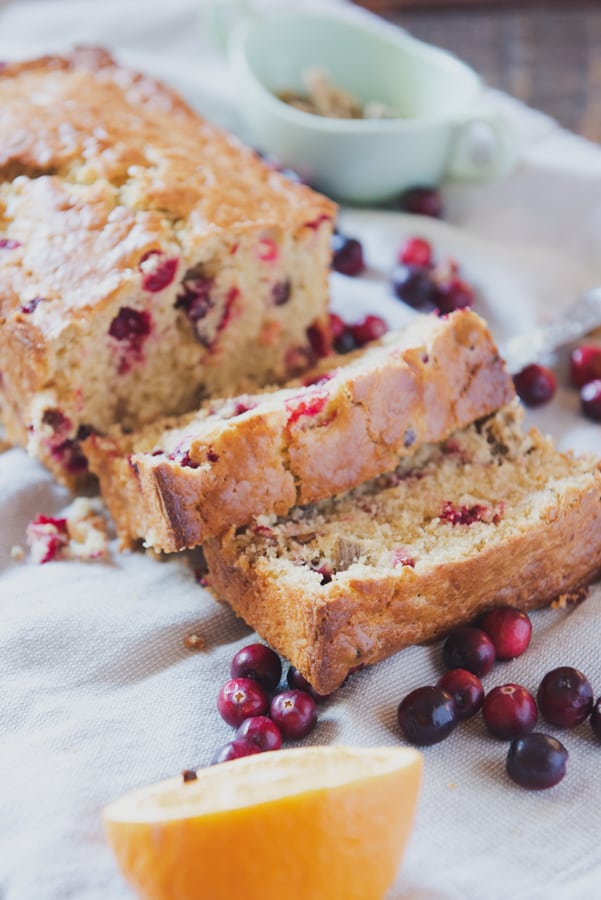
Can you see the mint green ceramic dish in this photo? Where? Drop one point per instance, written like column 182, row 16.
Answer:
column 361, row 160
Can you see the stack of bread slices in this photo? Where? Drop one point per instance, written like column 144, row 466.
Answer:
column 375, row 501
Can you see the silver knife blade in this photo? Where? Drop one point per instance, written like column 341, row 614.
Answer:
column 574, row 323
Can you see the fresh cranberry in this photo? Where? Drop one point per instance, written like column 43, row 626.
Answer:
column 130, row 325
column 347, row 255
column 536, row 761
column 565, row 697
column 260, row 730
column 294, row 713
column 466, row 690
column 471, row 649
column 371, row 328
column 341, row 334
column 159, row 274
column 235, row 749
column 596, row 719
column 427, row 716
column 195, row 298
column 509, row 711
column 509, row 629
column 414, row 286
column 299, row 683
column 241, row 698
column 535, row 385
column 260, row 663
column 452, row 295
column 281, row 291
column 416, row 252
column 346, row 343
column 590, row 400
column 585, row 364
column 423, row 201
column 337, row 326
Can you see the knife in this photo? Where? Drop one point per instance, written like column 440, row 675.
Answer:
column 574, row 323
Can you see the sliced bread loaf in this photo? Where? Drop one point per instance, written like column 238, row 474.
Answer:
column 489, row 516
column 175, row 484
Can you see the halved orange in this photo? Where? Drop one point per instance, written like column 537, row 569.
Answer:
column 315, row 823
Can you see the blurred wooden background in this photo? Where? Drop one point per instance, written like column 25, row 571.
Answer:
column 546, row 53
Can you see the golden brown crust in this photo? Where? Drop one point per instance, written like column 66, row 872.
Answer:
column 328, row 630
column 125, row 155
column 267, row 462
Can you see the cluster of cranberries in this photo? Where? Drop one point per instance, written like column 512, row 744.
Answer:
column 417, row 278
column 262, row 715
column 510, row 712
column 348, row 336
column 585, row 374
column 425, row 284
column 537, row 384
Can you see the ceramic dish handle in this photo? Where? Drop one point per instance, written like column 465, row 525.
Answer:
column 485, row 148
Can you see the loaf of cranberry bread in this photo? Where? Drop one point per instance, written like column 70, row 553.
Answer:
column 490, row 516
column 173, row 484
column 147, row 259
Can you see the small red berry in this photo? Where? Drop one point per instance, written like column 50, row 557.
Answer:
column 416, row 252
column 423, row 201
column 347, row 255
column 590, row 400
column 471, row 649
column 300, row 683
column 371, row 328
column 565, row 697
column 535, row 385
column 258, row 662
column 295, row 713
column 427, row 716
column 414, row 285
column 509, row 711
column 452, row 295
column 234, row 750
column 585, row 364
column 536, row 761
column 509, row 629
column 466, row 690
column 260, row 730
column 241, row 698
column 337, row 326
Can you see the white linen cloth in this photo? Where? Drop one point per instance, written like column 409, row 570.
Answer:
column 99, row 695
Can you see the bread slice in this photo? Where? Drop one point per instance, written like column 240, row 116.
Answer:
column 490, row 516
column 176, row 484
column 147, row 259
